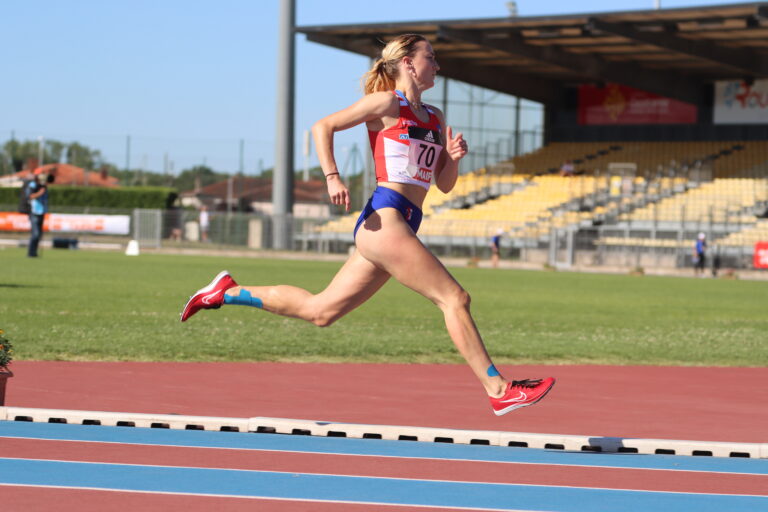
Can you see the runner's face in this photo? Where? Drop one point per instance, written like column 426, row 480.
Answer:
column 425, row 65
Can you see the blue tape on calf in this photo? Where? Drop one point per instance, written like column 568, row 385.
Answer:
column 492, row 371
column 244, row 299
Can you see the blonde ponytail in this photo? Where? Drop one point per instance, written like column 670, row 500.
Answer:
column 382, row 76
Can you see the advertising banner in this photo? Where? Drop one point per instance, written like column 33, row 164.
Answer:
column 738, row 102
column 618, row 104
column 760, row 257
column 70, row 223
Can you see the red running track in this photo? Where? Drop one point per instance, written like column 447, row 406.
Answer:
column 706, row 404
column 29, row 499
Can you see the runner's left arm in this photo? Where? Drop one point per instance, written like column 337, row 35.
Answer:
column 454, row 149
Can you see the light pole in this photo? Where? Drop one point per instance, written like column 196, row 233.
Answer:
column 282, row 177
column 40, row 142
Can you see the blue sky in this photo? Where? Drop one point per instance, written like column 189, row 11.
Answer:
column 191, row 78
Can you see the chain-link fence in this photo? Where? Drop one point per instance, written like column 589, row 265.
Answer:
column 626, row 243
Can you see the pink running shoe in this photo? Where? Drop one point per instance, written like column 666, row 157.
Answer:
column 520, row 393
column 210, row 297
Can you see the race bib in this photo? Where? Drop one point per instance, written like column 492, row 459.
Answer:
column 423, row 152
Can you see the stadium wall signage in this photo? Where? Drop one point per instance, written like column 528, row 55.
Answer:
column 738, row 102
column 616, row 104
column 70, row 223
column 760, row 257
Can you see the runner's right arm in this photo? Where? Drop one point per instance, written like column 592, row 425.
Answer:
column 368, row 109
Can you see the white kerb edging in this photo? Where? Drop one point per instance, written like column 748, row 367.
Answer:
column 390, row 432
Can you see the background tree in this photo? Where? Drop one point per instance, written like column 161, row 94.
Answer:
column 21, row 152
column 54, row 151
column 6, row 165
column 83, row 156
column 16, row 154
column 138, row 177
column 199, row 175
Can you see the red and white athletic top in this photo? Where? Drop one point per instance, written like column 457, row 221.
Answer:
column 408, row 151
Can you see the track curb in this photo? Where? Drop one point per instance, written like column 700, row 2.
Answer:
column 284, row 426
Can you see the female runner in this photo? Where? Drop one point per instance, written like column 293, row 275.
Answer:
column 410, row 150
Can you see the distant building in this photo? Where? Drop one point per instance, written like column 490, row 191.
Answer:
column 65, row 174
column 255, row 194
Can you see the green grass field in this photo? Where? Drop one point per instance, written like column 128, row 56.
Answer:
column 80, row 305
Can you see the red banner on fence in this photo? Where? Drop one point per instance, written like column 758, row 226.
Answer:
column 619, row 104
column 760, row 258
column 69, row 223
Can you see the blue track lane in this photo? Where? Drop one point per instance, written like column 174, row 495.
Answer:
column 374, row 447
column 296, row 486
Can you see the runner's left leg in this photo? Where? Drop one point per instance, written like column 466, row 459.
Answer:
column 352, row 285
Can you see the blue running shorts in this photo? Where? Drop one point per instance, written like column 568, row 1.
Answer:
column 387, row 198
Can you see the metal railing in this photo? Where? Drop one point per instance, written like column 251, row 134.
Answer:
column 598, row 241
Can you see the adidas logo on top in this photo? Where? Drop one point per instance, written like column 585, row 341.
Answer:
column 429, row 137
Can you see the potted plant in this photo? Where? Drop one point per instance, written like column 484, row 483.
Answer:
column 6, row 356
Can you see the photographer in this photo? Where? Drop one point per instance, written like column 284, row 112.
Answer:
column 38, row 207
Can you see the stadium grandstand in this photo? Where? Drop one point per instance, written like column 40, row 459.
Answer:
column 661, row 114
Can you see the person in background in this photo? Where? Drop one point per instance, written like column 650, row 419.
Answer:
column 700, row 255
column 205, row 223
column 412, row 147
column 567, row 168
column 38, row 207
column 495, row 248
column 716, row 261
column 173, row 218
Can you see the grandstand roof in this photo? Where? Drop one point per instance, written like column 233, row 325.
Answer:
column 675, row 53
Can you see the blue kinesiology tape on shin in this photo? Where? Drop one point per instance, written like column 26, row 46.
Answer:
column 244, row 299
column 492, row 371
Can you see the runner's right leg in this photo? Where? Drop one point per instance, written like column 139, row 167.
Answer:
column 393, row 246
